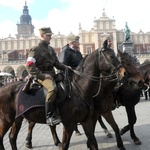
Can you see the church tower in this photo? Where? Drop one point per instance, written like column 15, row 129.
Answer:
column 25, row 27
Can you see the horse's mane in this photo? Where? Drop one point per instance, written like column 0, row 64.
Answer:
column 10, row 87
column 82, row 62
column 145, row 63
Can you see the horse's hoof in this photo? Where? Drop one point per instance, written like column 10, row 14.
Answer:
column 122, row 148
column 137, row 142
column 29, row 145
column 58, row 143
column 109, row 135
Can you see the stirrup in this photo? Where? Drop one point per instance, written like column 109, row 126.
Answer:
column 53, row 120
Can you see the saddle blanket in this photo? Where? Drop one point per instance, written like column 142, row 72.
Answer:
column 26, row 101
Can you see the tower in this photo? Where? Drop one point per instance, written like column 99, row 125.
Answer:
column 25, row 27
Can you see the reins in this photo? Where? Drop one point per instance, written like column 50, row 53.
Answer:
column 102, row 77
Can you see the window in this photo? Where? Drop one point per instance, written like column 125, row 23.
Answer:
column 138, row 50
column 20, row 55
column 148, row 49
column 88, row 49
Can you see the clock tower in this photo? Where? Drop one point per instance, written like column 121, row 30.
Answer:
column 25, row 27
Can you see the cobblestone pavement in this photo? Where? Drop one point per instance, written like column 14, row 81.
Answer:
column 42, row 139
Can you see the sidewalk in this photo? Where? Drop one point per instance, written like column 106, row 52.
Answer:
column 42, row 139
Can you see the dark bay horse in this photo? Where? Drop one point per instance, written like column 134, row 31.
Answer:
column 103, row 104
column 128, row 96
column 104, row 100
column 76, row 109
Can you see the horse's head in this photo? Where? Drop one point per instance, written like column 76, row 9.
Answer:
column 131, row 70
column 108, row 60
column 101, row 62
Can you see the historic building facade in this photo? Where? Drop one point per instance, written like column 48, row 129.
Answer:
column 14, row 50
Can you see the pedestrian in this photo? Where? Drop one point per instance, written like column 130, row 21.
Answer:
column 40, row 64
column 71, row 56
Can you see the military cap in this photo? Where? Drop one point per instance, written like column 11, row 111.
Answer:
column 46, row 30
column 73, row 38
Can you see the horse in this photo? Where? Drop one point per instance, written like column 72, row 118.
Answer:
column 104, row 100
column 76, row 108
column 130, row 68
column 128, row 96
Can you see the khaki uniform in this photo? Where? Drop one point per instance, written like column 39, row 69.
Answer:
column 45, row 61
column 41, row 60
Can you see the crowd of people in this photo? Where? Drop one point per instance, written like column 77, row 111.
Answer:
column 9, row 79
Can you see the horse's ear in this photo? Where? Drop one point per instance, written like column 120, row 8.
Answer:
column 120, row 53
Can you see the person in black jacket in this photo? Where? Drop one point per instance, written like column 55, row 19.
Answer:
column 71, row 56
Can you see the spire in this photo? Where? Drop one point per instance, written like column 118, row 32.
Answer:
column 25, row 10
column 25, row 17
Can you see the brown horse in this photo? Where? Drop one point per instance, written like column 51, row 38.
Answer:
column 77, row 108
column 105, row 108
column 128, row 96
column 104, row 100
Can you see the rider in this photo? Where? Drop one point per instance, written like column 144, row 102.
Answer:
column 40, row 63
column 71, row 56
column 107, row 42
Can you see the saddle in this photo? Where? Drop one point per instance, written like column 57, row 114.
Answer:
column 32, row 94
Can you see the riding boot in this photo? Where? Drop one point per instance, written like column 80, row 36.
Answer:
column 51, row 117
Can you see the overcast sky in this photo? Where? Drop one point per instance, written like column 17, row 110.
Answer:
column 64, row 16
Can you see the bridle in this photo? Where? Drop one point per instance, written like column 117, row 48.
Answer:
column 128, row 77
column 102, row 76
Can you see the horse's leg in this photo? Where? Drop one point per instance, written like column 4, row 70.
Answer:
column 89, row 128
column 67, row 133
column 29, row 134
column 109, row 135
column 77, row 132
column 132, row 120
column 124, row 129
column 15, row 128
column 55, row 136
column 110, row 119
column 4, row 127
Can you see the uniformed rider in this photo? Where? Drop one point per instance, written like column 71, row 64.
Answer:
column 40, row 63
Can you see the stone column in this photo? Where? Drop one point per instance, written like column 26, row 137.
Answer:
column 128, row 47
